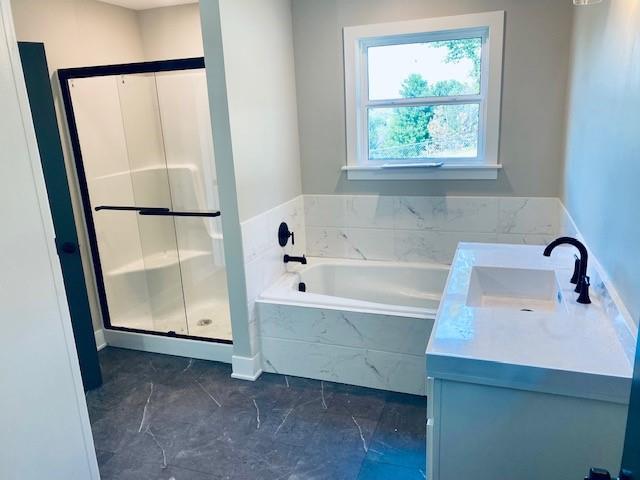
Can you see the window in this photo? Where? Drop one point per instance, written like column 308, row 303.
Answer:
column 423, row 98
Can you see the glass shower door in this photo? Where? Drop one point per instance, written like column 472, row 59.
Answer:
column 123, row 157
column 151, row 188
column 184, row 112
column 147, row 156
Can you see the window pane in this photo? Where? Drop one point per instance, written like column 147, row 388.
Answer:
column 439, row 131
column 429, row 69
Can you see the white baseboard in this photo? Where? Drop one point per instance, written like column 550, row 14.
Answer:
column 101, row 342
column 246, row 368
column 180, row 347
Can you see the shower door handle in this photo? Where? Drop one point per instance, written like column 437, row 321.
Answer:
column 169, row 213
column 126, row 208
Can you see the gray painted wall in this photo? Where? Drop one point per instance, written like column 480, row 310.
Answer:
column 602, row 174
column 171, row 32
column 222, row 146
column 537, row 50
column 258, row 50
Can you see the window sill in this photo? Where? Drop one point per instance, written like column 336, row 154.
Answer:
column 444, row 172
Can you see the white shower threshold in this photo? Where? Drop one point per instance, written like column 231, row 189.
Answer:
column 180, row 347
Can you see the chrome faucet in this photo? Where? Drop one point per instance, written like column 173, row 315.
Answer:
column 580, row 276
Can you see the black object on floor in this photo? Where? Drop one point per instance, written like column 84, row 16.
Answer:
column 159, row 417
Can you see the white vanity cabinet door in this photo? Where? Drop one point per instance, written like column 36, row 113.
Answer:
column 433, row 401
column 476, row 430
column 430, row 448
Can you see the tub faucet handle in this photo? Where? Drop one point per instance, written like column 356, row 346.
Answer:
column 283, row 235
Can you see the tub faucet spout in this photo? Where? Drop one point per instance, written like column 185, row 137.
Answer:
column 289, row 258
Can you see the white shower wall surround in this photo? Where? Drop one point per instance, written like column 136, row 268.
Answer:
column 416, row 229
column 146, row 140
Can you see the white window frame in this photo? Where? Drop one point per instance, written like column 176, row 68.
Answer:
column 489, row 27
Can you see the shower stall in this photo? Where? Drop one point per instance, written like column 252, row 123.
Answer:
column 143, row 148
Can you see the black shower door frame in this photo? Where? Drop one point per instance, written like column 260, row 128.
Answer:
column 65, row 76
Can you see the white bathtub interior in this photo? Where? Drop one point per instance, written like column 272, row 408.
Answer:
column 411, row 289
column 146, row 142
column 410, row 285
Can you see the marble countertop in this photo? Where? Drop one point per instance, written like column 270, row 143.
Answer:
column 577, row 350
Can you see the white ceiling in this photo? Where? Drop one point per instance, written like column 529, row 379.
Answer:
column 146, row 4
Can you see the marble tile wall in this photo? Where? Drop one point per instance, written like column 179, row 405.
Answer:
column 262, row 253
column 387, row 228
column 366, row 349
column 389, row 333
column 423, row 228
column 354, row 366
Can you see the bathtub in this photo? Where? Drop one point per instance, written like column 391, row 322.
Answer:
column 359, row 322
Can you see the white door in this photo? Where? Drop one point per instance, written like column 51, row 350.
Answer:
column 44, row 424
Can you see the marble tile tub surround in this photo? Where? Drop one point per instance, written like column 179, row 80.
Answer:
column 391, row 228
column 357, row 348
column 423, row 228
column 263, row 255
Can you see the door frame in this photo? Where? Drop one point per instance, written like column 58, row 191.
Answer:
column 43, row 113
column 65, row 76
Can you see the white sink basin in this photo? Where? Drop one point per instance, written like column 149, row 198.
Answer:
column 514, row 288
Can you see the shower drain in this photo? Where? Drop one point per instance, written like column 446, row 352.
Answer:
column 204, row 322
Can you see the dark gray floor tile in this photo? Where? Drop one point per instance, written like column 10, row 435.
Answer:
column 383, row 471
column 96, row 413
column 340, row 436
column 318, row 468
column 293, row 425
column 398, row 449
column 187, row 403
column 357, row 401
column 162, row 417
column 405, row 412
column 127, row 467
column 228, row 460
column 155, row 443
column 124, row 390
column 103, row 457
column 110, row 432
column 400, row 436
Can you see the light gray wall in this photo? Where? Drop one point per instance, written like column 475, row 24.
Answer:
column 222, row 146
column 258, row 51
column 537, row 48
column 602, row 175
column 171, row 32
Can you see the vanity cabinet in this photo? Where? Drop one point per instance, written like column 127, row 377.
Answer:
column 484, row 432
column 524, row 382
